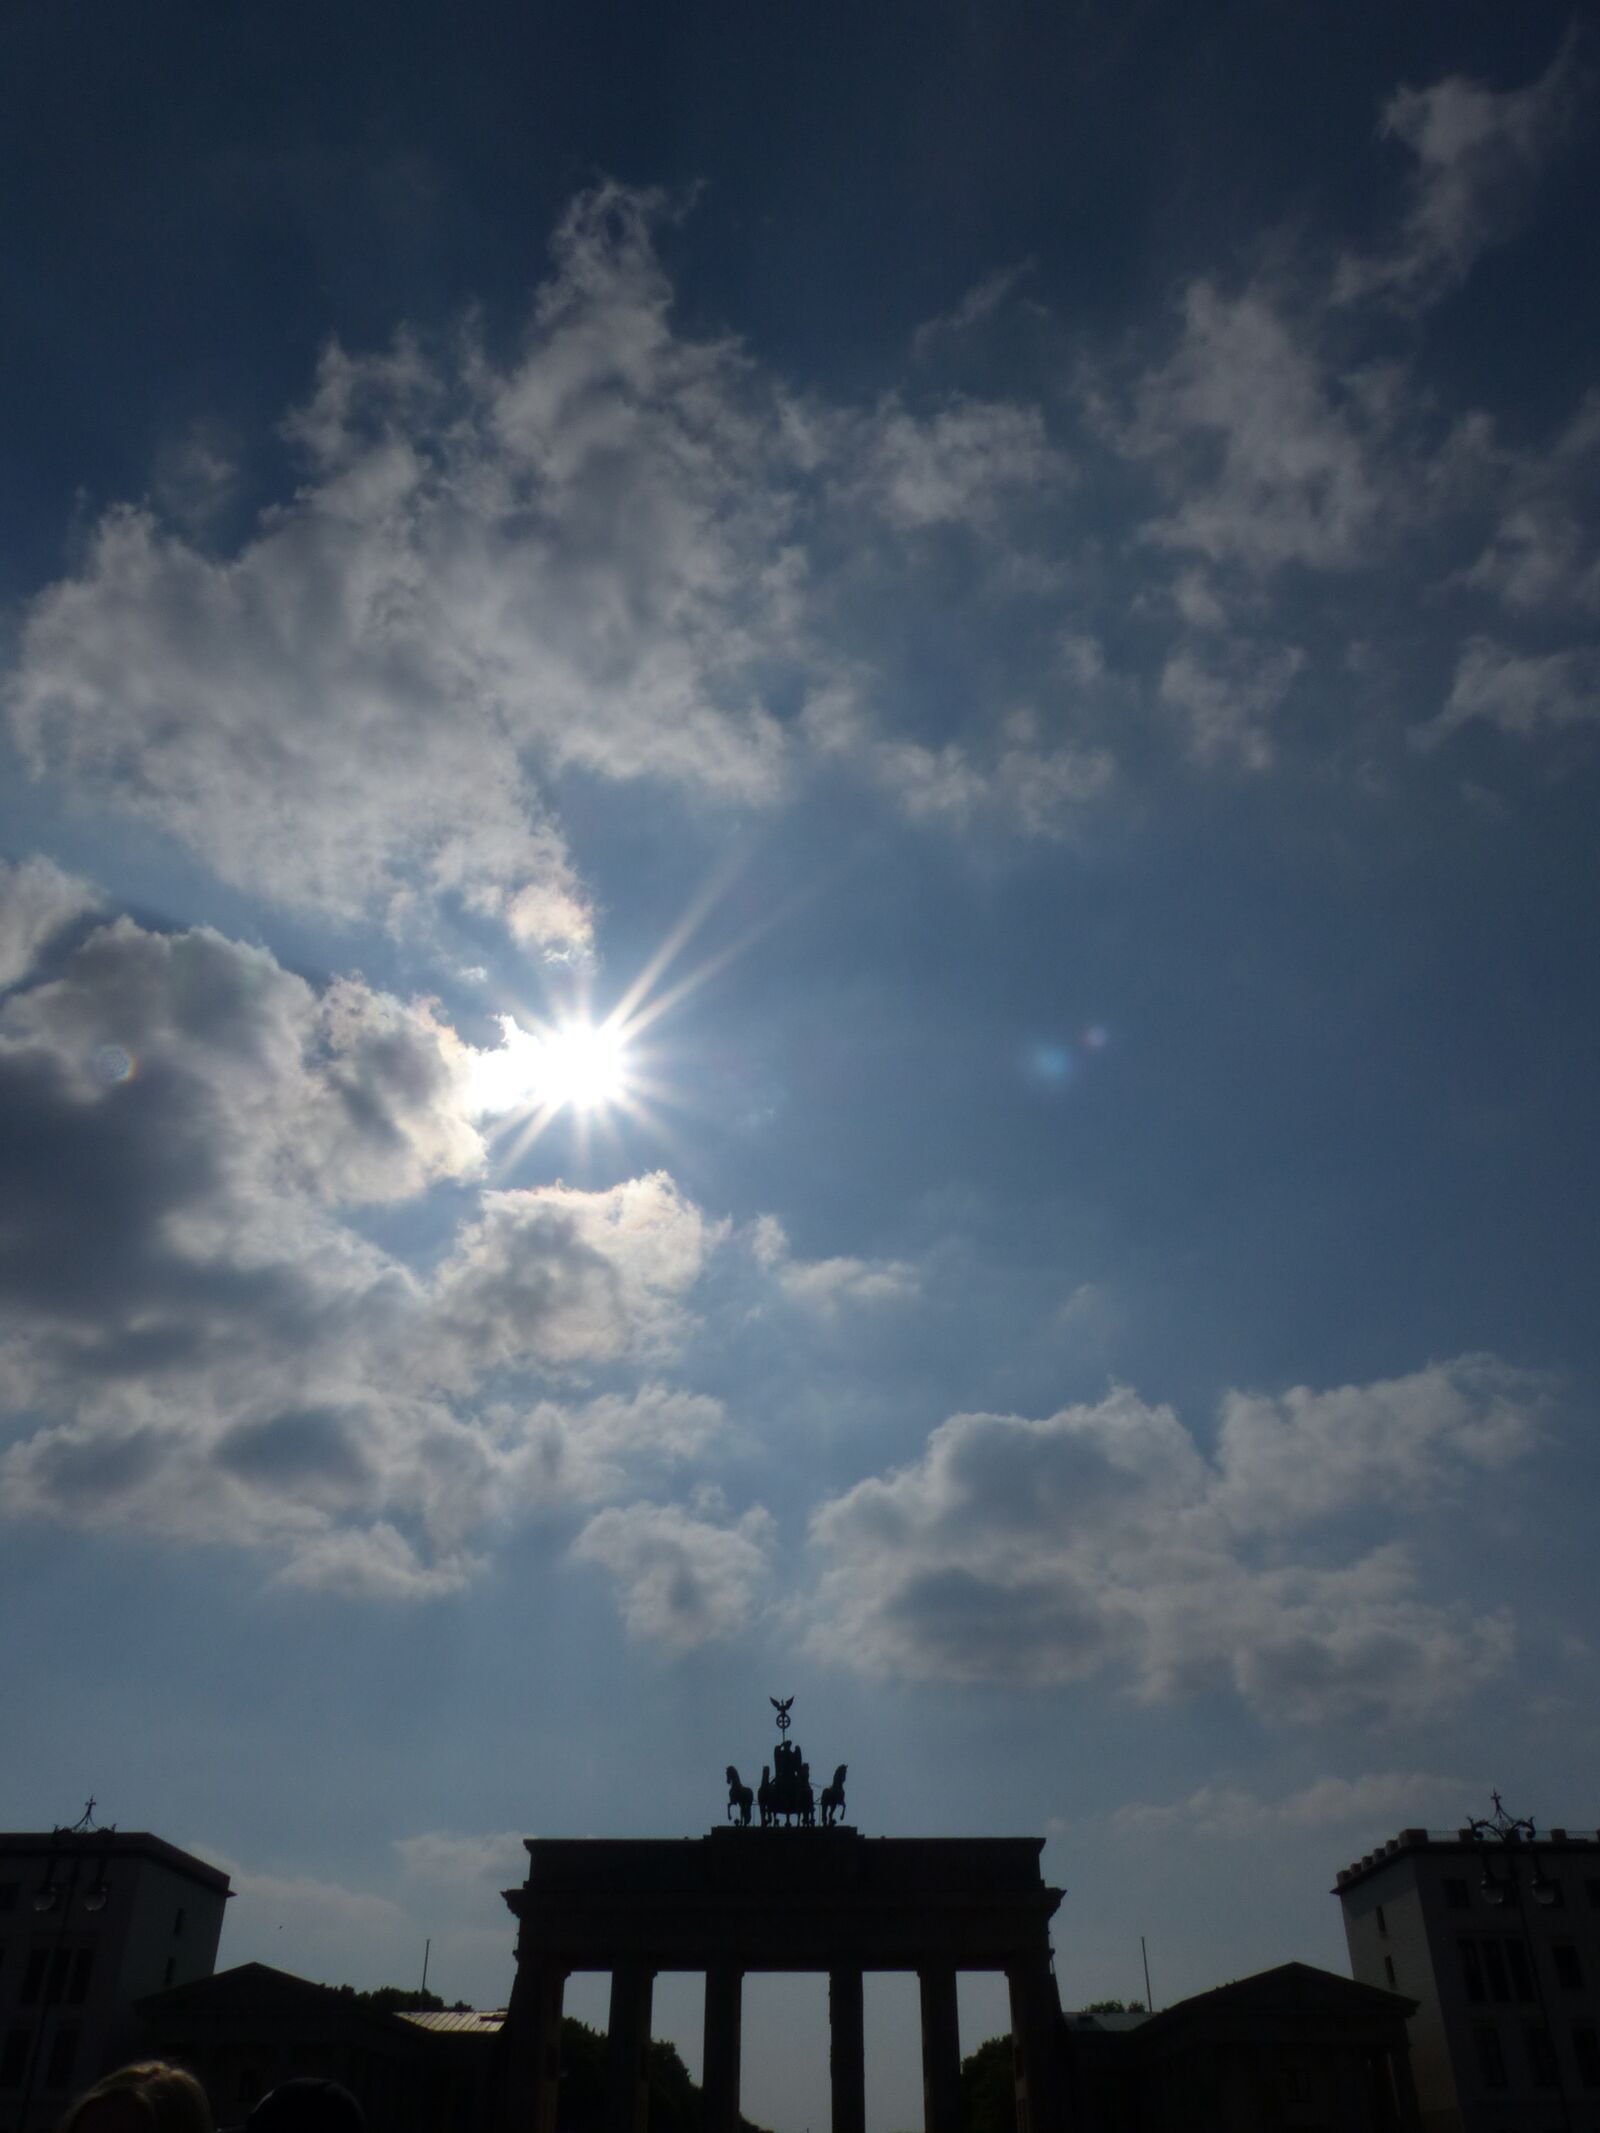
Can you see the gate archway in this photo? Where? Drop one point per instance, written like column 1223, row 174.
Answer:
column 751, row 1899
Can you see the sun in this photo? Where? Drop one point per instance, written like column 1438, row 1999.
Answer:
column 602, row 1075
column 582, row 1066
column 573, row 1065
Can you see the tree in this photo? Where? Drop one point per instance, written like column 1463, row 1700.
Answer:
column 396, row 1999
column 675, row 2100
column 1115, row 2007
column 989, row 2089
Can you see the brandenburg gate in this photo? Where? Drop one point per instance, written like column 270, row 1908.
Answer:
column 785, row 1896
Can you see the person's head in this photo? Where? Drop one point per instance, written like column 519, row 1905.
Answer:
column 150, row 2097
column 307, row 2104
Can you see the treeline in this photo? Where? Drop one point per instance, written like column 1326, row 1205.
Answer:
column 674, row 2098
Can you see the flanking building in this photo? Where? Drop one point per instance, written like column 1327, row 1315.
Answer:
column 1494, row 1931
column 91, row 1921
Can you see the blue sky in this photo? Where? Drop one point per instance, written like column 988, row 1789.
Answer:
column 1007, row 601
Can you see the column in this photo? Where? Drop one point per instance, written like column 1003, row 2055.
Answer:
column 941, row 2051
column 847, row 2051
column 531, row 2063
column 720, row 2074
column 627, row 2044
column 1036, row 2043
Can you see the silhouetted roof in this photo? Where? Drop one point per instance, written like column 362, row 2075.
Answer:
column 113, row 1843
column 1288, row 1988
column 1464, row 1841
column 256, row 1988
column 472, row 2021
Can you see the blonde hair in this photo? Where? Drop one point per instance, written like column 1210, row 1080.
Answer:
column 165, row 2097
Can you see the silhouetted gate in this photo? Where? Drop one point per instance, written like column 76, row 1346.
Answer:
column 780, row 1899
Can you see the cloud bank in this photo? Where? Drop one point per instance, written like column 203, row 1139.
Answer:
column 1105, row 1540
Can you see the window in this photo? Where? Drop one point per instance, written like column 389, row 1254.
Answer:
column 1593, row 1888
column 1491, row 2060
column 1541, row 2057
column 11, row 1890
column 33, row 1976
column 1471, row 1970
column 1569, row 1971
column 58, row 2074
column 1388, row 1971
column 177, row 1923
column 1586, row 2050
column 60, row 1964
column 1383, row 1923
column 1517, row 1963
column 1494, row 1970
column 14, row 2055
column 78, row 1983
column 1457, row 1896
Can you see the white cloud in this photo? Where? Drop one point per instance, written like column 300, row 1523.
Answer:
column 554, row 1453
column 976, row 308
column 1516, row 691
column 557, row 1275
column 1269, row 459
column 1378, row 1801
column 37, row 901
column 319, row 1929
column 1544, row 553
column 373, row 1563
column 456, row 1862
column 1477, row 153
column 1227, row 695
column 1016, row 777
column 958, row 466
column 1103, row 1538
column 604, row 554
column 825, row 1286
column 559, row 562
column 685, row 1580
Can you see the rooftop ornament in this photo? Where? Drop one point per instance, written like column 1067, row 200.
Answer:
column 1505, row 1829
column 785, row 1793
column 49, row 1894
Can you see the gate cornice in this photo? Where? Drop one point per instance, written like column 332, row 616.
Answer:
column 784, row 1899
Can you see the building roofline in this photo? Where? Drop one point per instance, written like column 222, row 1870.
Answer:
column 1463, row 1842
column 1288, row 1985
column 113, row 1844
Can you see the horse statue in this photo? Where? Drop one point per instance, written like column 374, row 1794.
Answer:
column 833, row 1798
column 740, row 1797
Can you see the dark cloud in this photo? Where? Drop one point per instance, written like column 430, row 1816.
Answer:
column 195, row 1341
column 312, row 1448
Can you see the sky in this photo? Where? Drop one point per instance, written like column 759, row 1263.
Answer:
column 797, row 898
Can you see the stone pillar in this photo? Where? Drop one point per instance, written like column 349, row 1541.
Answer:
column 531, row 2059
column 847, row 2051
column 1036, row 2047
column 627, row 2042
column 941, row 2051
column 720, row 2074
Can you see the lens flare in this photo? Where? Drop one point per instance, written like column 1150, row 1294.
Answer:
column 111, row 1063
column 1051, row 1064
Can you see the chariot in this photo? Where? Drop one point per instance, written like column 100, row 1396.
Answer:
column 785, row 1793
